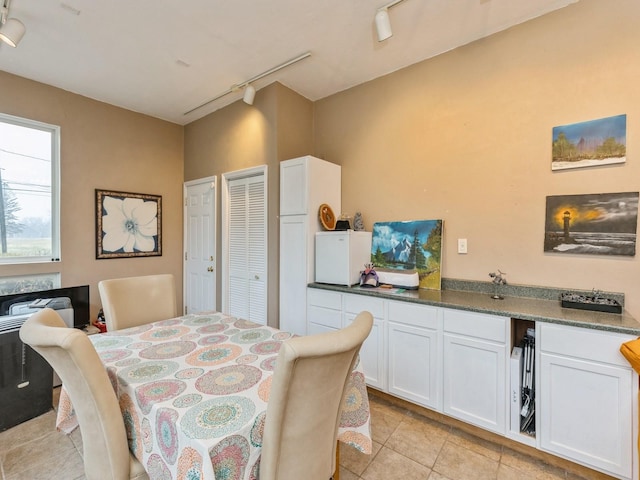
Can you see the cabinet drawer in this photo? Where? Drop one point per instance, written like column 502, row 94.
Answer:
column 480, row 325
column 411, row 314
column 358, row 303
column 583, row 343
column 323, row 316
column 324, row 298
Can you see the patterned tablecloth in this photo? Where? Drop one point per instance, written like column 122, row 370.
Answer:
column 193, row 393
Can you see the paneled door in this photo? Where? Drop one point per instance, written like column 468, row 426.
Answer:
column 245, row 246
column 200, row 245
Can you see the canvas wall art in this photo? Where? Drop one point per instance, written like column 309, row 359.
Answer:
column 128, row 224
column 592, row 224
column 588, row 144
column 409, row 245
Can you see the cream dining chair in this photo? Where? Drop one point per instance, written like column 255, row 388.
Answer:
column 304, row 407
column 132, row 301
column 72, row 355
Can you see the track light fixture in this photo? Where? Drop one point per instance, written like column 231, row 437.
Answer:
column 11, row 29
column 249, row 90
column 383, row 23
column 249, row 94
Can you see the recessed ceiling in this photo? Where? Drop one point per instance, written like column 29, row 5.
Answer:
column 164, row 58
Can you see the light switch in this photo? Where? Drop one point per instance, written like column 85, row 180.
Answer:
column 462, row 245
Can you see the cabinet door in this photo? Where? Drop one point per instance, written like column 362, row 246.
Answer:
column 293, row 187
column 372, row 353
column 475, row 381
column 293, row 274
column 413, row 364
column 586, row 412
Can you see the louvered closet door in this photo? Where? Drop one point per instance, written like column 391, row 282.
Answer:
column 247, row 249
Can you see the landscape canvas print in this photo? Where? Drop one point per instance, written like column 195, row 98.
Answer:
column 409, row 245
column 592, row 224
column 588, row 144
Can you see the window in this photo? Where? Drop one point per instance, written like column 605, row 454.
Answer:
column 29, row 191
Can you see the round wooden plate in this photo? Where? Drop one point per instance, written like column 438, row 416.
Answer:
column 327, row 218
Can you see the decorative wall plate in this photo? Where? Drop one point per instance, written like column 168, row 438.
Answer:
column 327, row 218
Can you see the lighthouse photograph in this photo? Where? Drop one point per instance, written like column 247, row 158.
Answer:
column 592, row 224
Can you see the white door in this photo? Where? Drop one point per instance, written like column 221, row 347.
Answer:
column 200, row 246
column 245, row 247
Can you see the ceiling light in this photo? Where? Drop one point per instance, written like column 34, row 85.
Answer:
column 12, row 32
column 383, row 23
column 249, row 94
column 249, row 90
column 11, row 29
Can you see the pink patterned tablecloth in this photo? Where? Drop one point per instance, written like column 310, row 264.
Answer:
column 193, row 393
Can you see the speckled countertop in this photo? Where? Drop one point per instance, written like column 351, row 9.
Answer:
column 520, row 301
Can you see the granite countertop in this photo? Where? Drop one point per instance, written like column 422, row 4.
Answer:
column 542, row 306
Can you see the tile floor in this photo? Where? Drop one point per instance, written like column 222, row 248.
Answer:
column 407, row 446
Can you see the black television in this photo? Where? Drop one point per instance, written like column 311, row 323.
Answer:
column 79, row 297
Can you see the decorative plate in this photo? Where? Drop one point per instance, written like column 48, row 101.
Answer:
column 327, row 218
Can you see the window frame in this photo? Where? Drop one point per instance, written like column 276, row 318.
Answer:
column 55, row 188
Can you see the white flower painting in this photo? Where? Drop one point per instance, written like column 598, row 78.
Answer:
column 128, row 224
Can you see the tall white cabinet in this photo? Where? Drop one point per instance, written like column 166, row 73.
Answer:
column 305, row 184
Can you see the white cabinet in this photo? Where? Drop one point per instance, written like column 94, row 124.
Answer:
column 324, row 311
column 414, row 353
column 372, row 350
column 305, row 184
column 474, row 362
column 457, row 362
column 587, row 395
column 294, row 247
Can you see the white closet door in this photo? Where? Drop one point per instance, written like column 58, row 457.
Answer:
column 257, row 250
column 247, row 249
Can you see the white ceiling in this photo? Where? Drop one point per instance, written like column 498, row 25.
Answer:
column 164, row 58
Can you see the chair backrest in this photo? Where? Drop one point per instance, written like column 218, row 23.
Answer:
column 132, row 301
column 75, row 360
column 305, row 402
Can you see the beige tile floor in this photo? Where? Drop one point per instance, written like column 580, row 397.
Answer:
column 407, row 446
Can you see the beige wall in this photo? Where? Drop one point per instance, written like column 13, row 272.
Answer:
column 104, row 147
column 466, row 137
column 278, row 126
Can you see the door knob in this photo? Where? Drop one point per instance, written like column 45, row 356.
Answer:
column 210, row 269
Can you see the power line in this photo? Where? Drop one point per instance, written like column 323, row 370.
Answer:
column 25, row 155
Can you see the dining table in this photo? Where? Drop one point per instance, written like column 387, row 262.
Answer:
column 194, row 390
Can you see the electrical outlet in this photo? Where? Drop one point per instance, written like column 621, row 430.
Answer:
column 462, row 245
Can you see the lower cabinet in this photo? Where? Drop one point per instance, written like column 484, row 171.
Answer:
column 324, row 311
column 457, row 362
column 372, row 350
column 586, row 407
column 475, row 353
column 414, row 353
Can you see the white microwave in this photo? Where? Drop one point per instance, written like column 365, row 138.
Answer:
column 341, row 256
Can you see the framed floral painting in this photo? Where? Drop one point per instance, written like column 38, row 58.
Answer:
column 128, row 224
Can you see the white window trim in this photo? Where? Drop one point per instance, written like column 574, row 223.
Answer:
column 55, row 188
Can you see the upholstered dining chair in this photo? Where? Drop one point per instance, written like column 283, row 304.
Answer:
column 72, row 355
column 304, row 407
column 132, row 301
